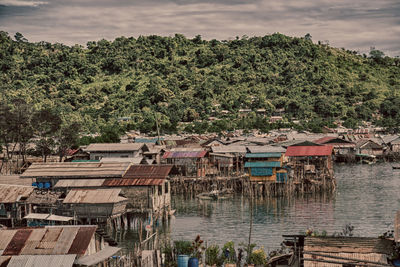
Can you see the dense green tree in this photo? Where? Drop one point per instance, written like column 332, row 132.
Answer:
column 182, row 80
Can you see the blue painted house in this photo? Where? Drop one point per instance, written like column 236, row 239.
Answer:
column 263, row 167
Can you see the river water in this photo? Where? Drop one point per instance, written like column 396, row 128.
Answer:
column 367, row 196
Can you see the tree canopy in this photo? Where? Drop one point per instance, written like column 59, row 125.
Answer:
column 176, row 79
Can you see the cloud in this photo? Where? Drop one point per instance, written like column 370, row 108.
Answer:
column 342, row 22
column 21, row 3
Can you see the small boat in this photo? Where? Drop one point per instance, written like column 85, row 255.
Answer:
column 396, row 167
column 216, row 194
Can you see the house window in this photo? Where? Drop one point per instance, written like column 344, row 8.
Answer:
column 160, row 190
column 166, row 188
column 124, row 156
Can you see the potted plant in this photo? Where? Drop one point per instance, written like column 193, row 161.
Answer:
column 213, row 257
column 197, row 249
column 229, row 254
column 183, row 250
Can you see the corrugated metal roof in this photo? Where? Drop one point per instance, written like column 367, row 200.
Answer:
column 132, row 182
column 111, row 147
column 48, row 217
column 262, row 164
column 186, row 149
column 222, row 155
column 301, row 151
column 13, row 193
column 47, row 240
column 349, row 244
column 4, row 260
column 14, row 180
column 42, row 260
column 65, row 240
column 266, row 149
column 98, row 257
column 59, row 218
column 368, row 144
column 96, row 196
column 148, row 171
column 375, row 257
column 62, row 170
column 263, row 155
column 335, row 142
column 5, row 238
column 324, row 139
column 135, row 160
column 16, row 244
column 177, row 155
column 38, row 216
column 229, row 149
column 81, row 241
column 79, row 183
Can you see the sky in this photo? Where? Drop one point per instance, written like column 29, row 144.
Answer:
column 356, row 25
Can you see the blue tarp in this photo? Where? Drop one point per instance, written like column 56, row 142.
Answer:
column 261, row 171
column 263, row 164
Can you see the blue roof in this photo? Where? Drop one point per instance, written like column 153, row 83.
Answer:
column 262, row 164
column 264, row 155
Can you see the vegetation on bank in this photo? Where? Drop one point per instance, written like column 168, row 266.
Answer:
column 172, row 80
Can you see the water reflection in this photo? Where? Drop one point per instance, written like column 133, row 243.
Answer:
column 367, row 196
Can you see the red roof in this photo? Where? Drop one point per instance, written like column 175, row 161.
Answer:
column 184, row 154
column 132, row 182
column 148, row 172
column 301, row 151
column 71, row 152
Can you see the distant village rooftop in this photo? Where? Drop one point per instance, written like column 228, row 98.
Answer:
column 114, row 147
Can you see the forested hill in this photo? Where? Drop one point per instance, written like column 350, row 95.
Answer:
column 183, row 80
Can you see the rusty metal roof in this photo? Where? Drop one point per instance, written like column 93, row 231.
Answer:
column 93, row 196
column 133, row 182
column 184, row 154
column 13, row 193
column 114, row 147
column 302, row 151
column 148, row 171
column 55, row 240
column 67, row 170
column 18, row 241
column 81, row 240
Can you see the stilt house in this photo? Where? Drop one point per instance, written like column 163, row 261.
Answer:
column 12, row 207
column 266, row 167
column 310, row 162
column 187, row 161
